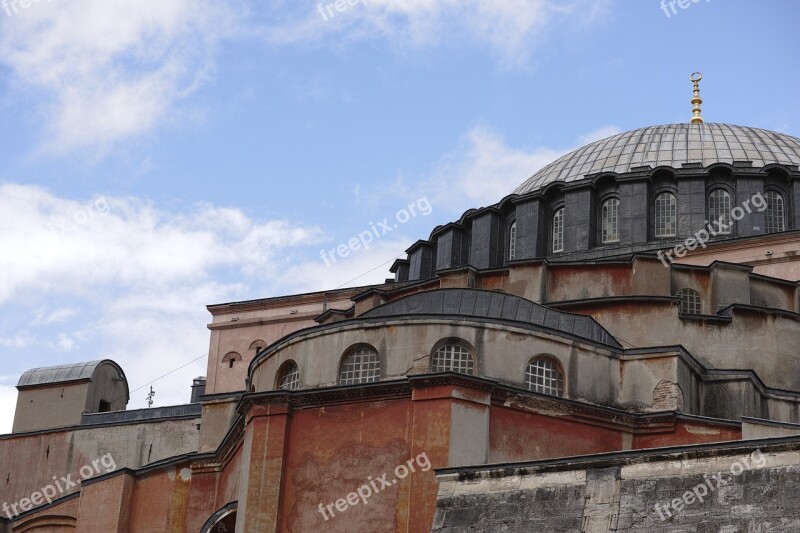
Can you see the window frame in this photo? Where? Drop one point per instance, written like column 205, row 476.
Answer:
column 782, row 197
column 674, row 223
column 362, row 369
column 726, row 212
column 464, row 346
column 555, row 366
column 283, row 372
column 558, row 213
column 696, row 302
column 512, row 240
column 602, row 225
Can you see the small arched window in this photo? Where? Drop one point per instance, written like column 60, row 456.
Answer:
column 453, row 358
column 544, row 376
column 361, row 365
column 289, row 376
column 691, row 304
column 230, row 358
column 666, row 215
column 774, row 220
column 512, row 241
column 609, row 221
column 257, row 344
column 719, row 209
column 558, row 230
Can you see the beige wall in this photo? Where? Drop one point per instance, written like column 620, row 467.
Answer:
column 31, row 460
column 234, row 329
column 591, row 373
column 50, row 407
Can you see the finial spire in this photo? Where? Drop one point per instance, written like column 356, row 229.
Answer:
column 696, row 100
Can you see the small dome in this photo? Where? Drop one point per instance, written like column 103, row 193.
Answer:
column 669, row 145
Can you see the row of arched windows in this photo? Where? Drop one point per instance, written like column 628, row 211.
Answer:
column 363, row 365
column 665, row 218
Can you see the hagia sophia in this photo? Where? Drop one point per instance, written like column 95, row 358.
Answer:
column 613, row 346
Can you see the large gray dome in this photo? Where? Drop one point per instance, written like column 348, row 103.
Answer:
column 670, row 145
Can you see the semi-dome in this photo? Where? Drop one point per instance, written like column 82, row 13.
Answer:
column 669, row 145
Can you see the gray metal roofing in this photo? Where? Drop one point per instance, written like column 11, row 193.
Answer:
column 59, row 374
column 496, row 305
column 670, row 145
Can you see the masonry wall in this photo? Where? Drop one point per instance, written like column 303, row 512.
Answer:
column 29, row 461
column 759, row 492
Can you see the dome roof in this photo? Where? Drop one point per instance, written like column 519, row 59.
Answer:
column 669, row 145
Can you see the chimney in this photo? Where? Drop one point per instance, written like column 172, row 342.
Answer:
column 198, row 388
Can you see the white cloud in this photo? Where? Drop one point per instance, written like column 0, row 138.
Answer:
column 114, row 69
column 8, row 403
column 44, row 317
column 484, row 168
column 511, row 28
column 137, row 279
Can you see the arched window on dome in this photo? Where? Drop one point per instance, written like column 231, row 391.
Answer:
column 558, row 231
column 666, row 215
column 289, row 376
column 774, row 218
column 360, row 365
column 512, row 241
column 691, row 304
column 609, row 221
column 545, row 376
column 453, row 358
column 719, row 209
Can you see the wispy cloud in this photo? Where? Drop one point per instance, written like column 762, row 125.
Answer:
column 512, row 29
column 483, row 167
column 111, row 70
column 137, row 278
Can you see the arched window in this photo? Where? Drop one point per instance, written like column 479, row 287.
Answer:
column 362, row 365
column 609, row 221
column 453, row 358
column 690, row 302
column 544, row 376
column 257, row 344
column 558, row 231
column 719, row 209
column 512, row 241
column 666, row 215
column 774, row 220
column 289, row 376
column 230, row 358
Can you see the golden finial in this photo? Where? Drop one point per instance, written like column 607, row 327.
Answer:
column 696, row 100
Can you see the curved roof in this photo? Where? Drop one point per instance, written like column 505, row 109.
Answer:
column 497, row 305
column 63, row 373
column 670, row 145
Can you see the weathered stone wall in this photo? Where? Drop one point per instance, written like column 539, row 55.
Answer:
column 743, row 487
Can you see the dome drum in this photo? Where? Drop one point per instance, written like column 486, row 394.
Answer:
column 637, row 191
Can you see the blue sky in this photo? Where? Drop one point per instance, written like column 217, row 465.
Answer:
column 159, row 156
